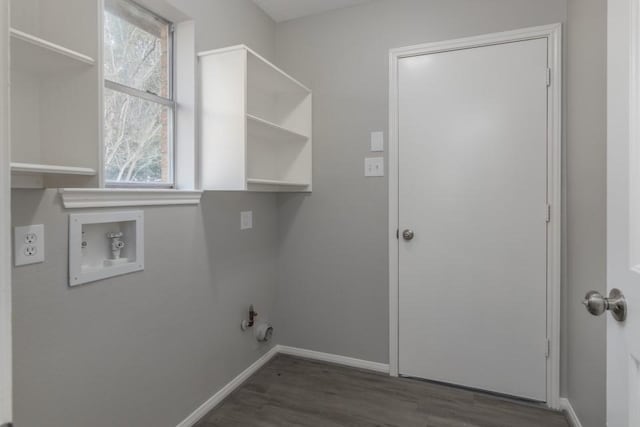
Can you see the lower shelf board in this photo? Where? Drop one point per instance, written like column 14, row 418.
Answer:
column 276, row 182
column 34, row 168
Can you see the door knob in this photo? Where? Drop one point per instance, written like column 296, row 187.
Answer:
column 408, row 234
column 597, row 304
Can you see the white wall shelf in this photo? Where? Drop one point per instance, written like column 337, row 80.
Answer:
column 88, row 198
column 267, row 130
column 32, row 175
column 277, row 183
column 36, row 55
column 256, row 124
column 34, row 168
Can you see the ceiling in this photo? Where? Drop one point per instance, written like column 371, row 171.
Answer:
column 284, row 10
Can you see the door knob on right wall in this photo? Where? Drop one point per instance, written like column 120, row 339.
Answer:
column 596, row 304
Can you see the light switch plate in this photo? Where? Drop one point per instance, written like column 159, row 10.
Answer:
column 377, row 141
column 374, row 166
column 28, row 243
column 246, row 220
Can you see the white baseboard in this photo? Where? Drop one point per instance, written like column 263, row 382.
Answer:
column 334, row 358
column 227, row 389
column 566, row 407
column 279, row 349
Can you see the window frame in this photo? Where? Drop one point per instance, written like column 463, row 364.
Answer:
column 170, row 103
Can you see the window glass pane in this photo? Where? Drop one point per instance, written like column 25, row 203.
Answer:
column 136, row 48
column 136, row 136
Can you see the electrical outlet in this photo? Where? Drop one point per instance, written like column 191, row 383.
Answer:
column 30, row 238
column 246, row 220
column 28, row 244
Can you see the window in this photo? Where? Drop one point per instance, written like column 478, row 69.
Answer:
column 139, row 108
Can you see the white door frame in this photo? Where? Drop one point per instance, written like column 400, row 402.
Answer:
column 5, row 221
column 553, row 33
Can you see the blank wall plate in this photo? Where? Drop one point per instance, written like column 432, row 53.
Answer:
column 28, row 244
column 377, row 141
column 374, row 166
column 246, row 220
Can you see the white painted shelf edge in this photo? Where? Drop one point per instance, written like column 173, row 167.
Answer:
column 34, row 168
column 52, row 47
column 277, row 128
column 256, row 181
column 257, row 55
column 82, row 198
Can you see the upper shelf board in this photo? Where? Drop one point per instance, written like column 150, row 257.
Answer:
column 33, row 54
column 281, row 183
column 268, row 75
column 34, row 168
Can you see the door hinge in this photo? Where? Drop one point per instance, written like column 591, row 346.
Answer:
column 548, row 77
column 548, row 214
column 547, row 349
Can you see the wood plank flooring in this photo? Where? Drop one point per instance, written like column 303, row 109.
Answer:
column 290, row 391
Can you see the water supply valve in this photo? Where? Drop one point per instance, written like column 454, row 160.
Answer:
column 245, row 324
column 116, row 243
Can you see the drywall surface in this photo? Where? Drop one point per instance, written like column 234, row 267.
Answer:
column 6, row 392
column 222, row 23
column 145, row 349
column 586, row 207
column 333, row 268
column 148, row 348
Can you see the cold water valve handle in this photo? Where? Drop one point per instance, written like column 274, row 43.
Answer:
column 252, row 319
column 116, row 244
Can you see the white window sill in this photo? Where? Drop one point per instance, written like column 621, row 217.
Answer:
column 82, row 198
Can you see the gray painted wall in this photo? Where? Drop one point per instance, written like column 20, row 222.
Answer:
column 333, row 275
column 333, row 246
column 148, row 348
column 586, row 207
column 145, row 349
column 221, row 23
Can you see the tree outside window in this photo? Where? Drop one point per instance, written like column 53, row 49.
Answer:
column 138, row 100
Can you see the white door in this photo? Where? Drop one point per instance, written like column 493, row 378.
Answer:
column 473, row 190
column 623, row 212
column 5, row 239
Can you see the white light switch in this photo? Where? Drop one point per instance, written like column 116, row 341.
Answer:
column 377, row 141
column 374, row 166
column 28, row 244
column 246, row 220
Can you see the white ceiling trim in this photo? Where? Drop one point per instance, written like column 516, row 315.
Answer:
column 285, row 10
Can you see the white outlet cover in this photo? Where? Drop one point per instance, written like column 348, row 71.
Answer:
column 28, row 244
column 246, row 220
column 374, row 166
column 377, row 141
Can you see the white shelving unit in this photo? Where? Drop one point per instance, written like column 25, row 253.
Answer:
column 255, row 124
column 55, row 94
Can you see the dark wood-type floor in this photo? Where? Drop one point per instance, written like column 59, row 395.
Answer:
column 290, row 391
